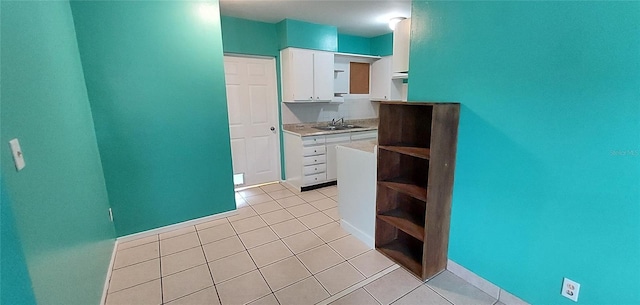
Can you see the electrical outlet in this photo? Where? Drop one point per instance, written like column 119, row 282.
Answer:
column 570, row 289
column 110, row 215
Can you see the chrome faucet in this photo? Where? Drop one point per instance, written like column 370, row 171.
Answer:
column 334, row 121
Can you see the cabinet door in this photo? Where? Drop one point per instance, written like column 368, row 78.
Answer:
column 332, row 155
column 323, row 76
column 401, row 37
column 332, row 162
column 302, row 74
column 381, row 78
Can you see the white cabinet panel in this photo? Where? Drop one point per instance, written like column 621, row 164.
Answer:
column 314, row 179
column 332, row 159
column 313, row 150
column 314, row 169
column 307, row 75
column 364, row 135
column 323, row 76
column 401, row 37
column 302, row 70
column 314, row 159
column 383, row 87
column 313, row 140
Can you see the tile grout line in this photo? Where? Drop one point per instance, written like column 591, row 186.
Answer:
column 161, row 277
column 369, row 293
column 254, row 264
column 358, row 285
column 208, row 267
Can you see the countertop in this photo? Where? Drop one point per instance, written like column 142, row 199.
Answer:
column 306, row 129
column 367, row 146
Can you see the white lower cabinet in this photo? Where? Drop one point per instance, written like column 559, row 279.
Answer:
column 332, row 157
column 311, row 160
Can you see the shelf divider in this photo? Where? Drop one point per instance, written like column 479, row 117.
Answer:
column 404, row 221
column 405, row 187
column 418, row 152
column 402, row 254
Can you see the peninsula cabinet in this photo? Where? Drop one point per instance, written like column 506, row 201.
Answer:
column 416, row 162
column 307, row 75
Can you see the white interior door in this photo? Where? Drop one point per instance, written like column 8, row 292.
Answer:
column 253, row 118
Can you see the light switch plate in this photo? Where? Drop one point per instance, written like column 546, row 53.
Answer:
column 18, row 157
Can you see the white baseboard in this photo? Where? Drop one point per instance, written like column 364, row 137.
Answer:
column 489, row 288
column 365, row 238
column 176, row 226
column 105, row 290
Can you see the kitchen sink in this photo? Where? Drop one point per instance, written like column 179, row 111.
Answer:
column 337, row 127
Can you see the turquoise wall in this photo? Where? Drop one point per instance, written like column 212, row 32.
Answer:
column 242, row 36
column 300, row 34
column 58, row 202
column 354, row 44
column 155, row 78
column 15, row 283
column 548, row 164
column 382, row 45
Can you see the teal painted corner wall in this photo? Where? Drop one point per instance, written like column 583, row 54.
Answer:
column 15, row 283
column 58, row 203
column 248, row 37
column 242, row 36
column 382, row 45
column 155, row 77
column 354, row 44
column 548, row 164
column 300, row 34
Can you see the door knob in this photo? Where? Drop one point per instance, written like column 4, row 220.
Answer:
column 272, row 128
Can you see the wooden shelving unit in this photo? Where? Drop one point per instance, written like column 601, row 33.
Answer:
column 416, row 163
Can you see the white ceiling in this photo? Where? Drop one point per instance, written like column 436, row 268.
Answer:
column 366, row 18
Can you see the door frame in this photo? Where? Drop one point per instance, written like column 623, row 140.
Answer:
column 274, row 60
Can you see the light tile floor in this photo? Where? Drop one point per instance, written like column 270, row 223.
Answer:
column 282, row 247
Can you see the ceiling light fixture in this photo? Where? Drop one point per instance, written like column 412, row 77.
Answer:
column 394, row 21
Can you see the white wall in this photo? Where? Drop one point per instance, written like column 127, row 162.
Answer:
column 354, row 107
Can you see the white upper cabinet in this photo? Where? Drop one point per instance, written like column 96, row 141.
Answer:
column 383, row 87
column 301, row 74
column 307, row 75
column 401, row 36
column 323, row 76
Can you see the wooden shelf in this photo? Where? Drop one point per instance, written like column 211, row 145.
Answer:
column 404, row 221
column 411, row 230
column 404, row 255
column 418, row 152
column 406, row 187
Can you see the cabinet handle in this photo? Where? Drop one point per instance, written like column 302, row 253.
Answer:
column 311, row 97
column 315, row 150
column 315, row 160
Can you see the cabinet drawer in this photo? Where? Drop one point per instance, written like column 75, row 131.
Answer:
column 364, row 135
column 338, row 138
column 314, row 160
column 314, row 179
column 314, row 140
column 314, row 169
column 313, row 150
